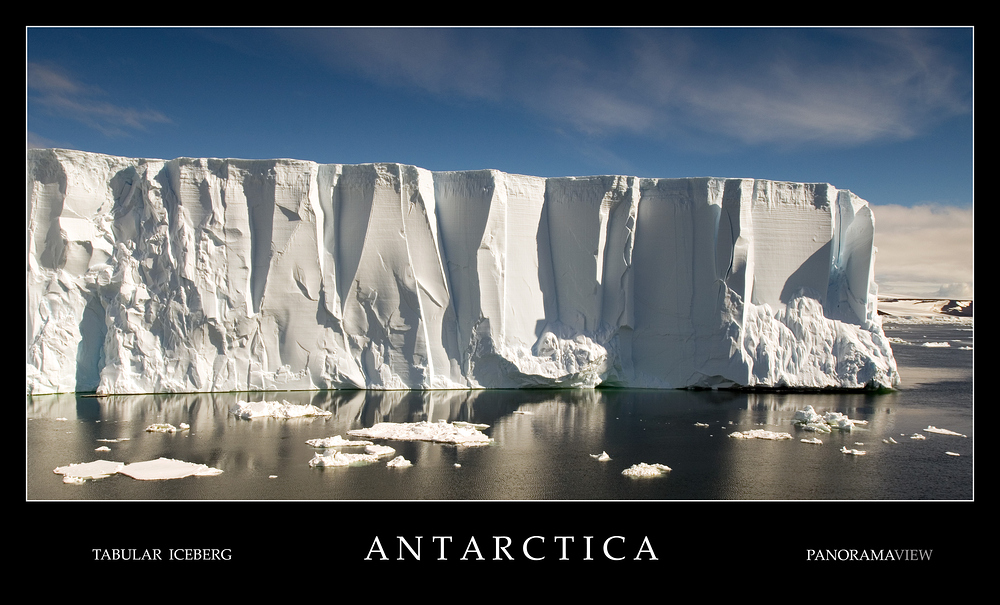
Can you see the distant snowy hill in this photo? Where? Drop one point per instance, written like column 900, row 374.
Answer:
column 925, row 310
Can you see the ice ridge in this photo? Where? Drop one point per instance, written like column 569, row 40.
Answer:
column 184, row 275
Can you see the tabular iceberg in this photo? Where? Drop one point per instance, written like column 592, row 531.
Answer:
column 185, row 275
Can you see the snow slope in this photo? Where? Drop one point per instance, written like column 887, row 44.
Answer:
column 227, row 275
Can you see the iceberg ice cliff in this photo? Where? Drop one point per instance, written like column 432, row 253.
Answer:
column 149, row 275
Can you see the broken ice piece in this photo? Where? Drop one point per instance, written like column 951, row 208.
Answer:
column 248, row 410
column 98, row 469
column 934, row 429
column 458, row 433
column 603, row 456
column 399, row 462
column 852, row 452
column 760, row 434
column 162, row 427
column 646, row 470
column 813, row 441
column 336, row 441
column 166, row 468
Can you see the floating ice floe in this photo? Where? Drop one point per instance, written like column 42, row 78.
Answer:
column 399, row 462
column 936, row 344
column 934, row 429
column 953, row 454
column 760, row 434
column 98, row 469
column 700, row 424
column 457, row 433
column 166, row 468
column 603, row 456
column 889, row 440
column 373, row 453
column 161, row 427
column 811, row 420
column 813, row 441
column 646, row 470
column 917, row 436
column 852, row 452
column 102, row 448
column 249, row 410
column 337, row 441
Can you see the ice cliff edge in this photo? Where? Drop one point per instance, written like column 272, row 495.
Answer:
column 149, row 275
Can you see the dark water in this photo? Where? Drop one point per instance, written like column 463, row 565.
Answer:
column 542, row 442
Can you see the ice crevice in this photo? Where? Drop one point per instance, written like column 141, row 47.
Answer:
column 148, row 275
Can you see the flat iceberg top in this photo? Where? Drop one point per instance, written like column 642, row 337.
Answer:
column 201, row 275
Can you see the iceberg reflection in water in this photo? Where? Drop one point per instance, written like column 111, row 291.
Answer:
column 545, row 445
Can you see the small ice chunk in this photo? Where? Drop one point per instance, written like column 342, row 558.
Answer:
column 807, row 416
column 98, row 469
column 700, row 424
column 811, row 420
column 936, row 344
column 852, row 452
column 161, row 427
column 336, row 441
column 760, row 434
column 953, row 454
column 166, row 468
column 399, row 462
column 103, row 448
column 373, row 453
column 934, row 429
column 336, row 459
column 817, row 427
column 889, row 440
column 646, row 470
column 917, row 436
column 813, row 441
column 603, row 456
column 458, row 433
column 379, row 450
column 248, row 410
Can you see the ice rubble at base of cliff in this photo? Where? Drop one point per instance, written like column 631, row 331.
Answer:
column 232, row 275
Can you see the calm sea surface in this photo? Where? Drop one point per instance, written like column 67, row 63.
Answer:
column 543, row 442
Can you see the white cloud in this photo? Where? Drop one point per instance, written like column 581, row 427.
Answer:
column 752, row 86
column 59, row 94
column 924, row 250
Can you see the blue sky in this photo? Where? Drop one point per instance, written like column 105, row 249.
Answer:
column 884, row 112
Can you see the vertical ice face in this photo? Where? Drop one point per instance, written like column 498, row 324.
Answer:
column 208, row 274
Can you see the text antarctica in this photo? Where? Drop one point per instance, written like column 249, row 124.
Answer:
column 503, row 548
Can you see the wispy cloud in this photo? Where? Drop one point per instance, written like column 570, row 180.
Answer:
column 750, row 86
column 924, row 250
column 59, row 94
